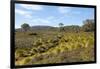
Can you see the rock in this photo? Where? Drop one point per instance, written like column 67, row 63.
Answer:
column 41, row 49
column 59, row 36
column 55, row 40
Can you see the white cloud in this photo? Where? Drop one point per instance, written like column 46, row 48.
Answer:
column 50, row 17
column 28, row 16
column 25, row 14
column 32, row 7
column 22, row 12
column 69, row 10
column 64, row 9
column 40, row 20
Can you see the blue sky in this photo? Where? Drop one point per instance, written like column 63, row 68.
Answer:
column 51, row 15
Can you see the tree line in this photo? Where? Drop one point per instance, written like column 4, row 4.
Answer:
column 88, row 26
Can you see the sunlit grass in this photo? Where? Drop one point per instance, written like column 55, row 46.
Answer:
column 43, row 48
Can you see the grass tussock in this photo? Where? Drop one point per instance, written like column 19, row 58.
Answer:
column 52, row 47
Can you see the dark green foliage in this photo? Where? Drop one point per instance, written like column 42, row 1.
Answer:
column 72, row 28
column 88, row 26
column 61, row 27
column 25, row 26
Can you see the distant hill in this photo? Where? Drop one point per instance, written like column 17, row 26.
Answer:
column 39, row 28
column 71, row 28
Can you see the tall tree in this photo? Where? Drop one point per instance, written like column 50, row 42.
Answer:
column 61, row 25
column 25, row 27
column 88, row 25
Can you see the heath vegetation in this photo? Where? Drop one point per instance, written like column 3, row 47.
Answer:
column 48, row 45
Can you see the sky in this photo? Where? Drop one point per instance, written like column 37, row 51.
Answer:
column 51, row 15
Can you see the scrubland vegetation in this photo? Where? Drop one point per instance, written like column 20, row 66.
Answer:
column 63, row 44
